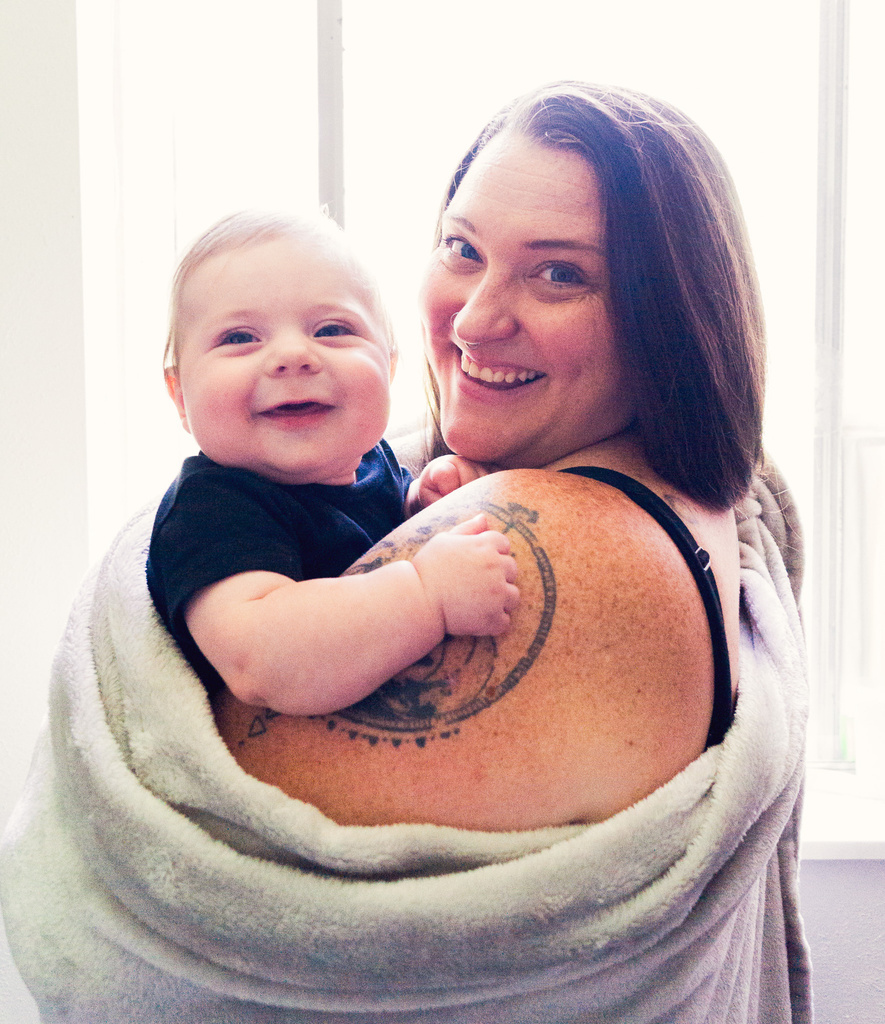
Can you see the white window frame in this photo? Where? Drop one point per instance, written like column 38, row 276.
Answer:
column 826, row 547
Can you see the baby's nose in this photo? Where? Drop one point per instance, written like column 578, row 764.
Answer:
column 293, row 352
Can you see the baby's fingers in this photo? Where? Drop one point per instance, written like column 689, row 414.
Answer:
column 499, row 542
column 510, row 570
column 500, row 620
column 444, row 477
column 478, row 524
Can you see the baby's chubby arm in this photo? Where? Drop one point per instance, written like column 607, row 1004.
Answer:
column 440, row 477
column 311, row 647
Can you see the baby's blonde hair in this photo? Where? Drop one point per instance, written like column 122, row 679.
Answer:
column 251, row 227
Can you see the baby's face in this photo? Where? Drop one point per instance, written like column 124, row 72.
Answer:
column 284, row 365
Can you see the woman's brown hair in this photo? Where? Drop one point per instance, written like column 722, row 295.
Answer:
column 684, row 295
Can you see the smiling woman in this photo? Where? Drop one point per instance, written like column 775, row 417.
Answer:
column 654, row 351
column 521, row 282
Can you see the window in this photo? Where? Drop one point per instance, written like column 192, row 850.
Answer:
column 188, row 112
column 192, row 111
column 855, row 654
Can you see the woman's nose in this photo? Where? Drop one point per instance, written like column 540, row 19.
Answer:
column 291, row 353
column 488, row 314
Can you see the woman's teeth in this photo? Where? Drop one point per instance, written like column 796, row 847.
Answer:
column 490, row 376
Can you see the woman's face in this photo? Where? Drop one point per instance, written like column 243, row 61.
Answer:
column 516, row 314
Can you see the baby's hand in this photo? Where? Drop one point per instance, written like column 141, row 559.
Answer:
column 468, row 573
column 440, row 477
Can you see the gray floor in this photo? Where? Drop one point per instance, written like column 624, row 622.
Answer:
column 843, row 905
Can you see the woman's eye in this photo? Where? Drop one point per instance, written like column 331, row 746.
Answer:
column 461, row 248
column 332, row 331
column 562, row 273
column 238, row 338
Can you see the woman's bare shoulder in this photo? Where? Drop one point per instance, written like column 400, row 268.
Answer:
column 599, row 692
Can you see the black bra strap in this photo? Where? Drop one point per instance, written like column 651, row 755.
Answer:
column 698, row 562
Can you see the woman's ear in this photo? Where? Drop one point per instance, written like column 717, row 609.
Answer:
column 173, row 386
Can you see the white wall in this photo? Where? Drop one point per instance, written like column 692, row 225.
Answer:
column 43, row 457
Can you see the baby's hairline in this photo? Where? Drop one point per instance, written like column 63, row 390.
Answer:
column 250, row 228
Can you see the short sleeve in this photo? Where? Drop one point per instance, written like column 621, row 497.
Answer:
column 213, row 524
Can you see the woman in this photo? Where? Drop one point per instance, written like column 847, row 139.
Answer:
column 590, row 302
column 567, row 824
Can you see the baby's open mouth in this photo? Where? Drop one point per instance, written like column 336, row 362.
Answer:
column 289, row 409
column 509, row 378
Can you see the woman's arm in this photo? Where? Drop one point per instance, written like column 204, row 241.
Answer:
column 600, row 691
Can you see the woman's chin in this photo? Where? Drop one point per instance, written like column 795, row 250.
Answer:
column 478, row 446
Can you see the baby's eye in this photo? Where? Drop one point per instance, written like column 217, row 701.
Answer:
column 332, row 331
column 562, row 273
column 238, row 338
column 459, row 247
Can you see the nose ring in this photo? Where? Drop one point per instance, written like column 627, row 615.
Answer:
column 468, row 344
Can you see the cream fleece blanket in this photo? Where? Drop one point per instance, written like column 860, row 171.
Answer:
column 145, row 879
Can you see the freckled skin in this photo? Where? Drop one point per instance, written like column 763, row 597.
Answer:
column 600, row 692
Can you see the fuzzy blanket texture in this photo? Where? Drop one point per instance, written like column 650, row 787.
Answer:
column 145, row 879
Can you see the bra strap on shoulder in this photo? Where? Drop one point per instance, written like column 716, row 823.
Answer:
column 698, row 561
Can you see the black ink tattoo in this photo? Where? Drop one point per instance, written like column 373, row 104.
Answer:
column 427, row 700
column 258, row 725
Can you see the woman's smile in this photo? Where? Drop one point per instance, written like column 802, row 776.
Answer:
column 509, row 378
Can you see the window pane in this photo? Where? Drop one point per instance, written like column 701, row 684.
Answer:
column 244, row 110
column 189, row 112
column 863, row 576
column 865, row 224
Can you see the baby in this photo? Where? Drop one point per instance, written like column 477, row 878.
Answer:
column 279, row 361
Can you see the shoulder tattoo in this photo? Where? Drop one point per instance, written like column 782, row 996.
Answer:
column 462, row 676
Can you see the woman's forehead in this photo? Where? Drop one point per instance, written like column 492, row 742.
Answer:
column 514, row 176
